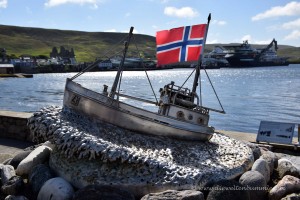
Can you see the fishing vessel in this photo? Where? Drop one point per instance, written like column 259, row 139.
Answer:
column 180, row 114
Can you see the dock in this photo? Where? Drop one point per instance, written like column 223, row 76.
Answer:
column 18, row 75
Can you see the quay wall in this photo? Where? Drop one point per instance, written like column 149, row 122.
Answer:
column 14, row 125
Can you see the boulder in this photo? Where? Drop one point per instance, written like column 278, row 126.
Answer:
column 95, row 192
column 255, row 183
column 56, row 189
column 293, row 196
column 15, row 161
column 227, row 190
column 255, row 149
column 38, row 176
column 6, row 172
column 287, row 185
column 5, row 158
column 286, row 167
column 262, row 167
column 175, row 195
column 7, row 161
column 37, row 156
column 13, row 197
column 13, row 186
column 271, row 159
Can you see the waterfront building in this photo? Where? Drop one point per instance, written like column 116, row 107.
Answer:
column 7, row 69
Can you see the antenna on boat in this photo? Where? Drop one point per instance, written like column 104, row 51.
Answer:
column 116, row 81
column 197, row 74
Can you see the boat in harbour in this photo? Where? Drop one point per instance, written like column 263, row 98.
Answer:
column 244, row 55
column 180, row 112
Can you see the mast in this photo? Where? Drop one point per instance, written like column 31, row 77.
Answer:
column 116, row 81
column 197, row 74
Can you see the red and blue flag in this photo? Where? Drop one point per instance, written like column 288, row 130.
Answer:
column 180, row 44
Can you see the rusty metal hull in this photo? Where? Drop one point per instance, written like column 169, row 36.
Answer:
column 103, row 108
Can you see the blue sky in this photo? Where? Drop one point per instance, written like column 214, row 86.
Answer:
column 259, row 21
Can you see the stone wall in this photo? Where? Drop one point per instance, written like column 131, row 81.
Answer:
column 14, row 125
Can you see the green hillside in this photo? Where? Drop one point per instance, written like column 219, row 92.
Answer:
column 90, row 45
column 87, row 45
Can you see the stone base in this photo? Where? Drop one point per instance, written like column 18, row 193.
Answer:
column 99, row 153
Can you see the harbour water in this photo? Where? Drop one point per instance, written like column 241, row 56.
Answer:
column 248, row 95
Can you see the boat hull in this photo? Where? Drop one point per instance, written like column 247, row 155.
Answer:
column 103, row 108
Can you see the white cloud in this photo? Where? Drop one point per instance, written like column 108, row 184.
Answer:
column 254, row 41
column 124, row 31
column 3, row 3
column 292, row 24
column 295, row 35
column 247, row 37
column 262, row 41
column 128, row 14
column 111, row 30
column 214, row 41
column 53, row 3
column 184, row 12
column 221, row 23
column 290, row 9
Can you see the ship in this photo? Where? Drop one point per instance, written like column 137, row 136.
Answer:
column 244, row 55
column 180, row 114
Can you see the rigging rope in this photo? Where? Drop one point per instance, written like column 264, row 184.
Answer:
column 143, row 65
column 214, row 90
column 91, row 66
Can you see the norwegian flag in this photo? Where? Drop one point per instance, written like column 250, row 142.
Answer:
column 180, row 44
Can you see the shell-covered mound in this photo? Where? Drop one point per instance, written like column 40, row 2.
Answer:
column 89, row 152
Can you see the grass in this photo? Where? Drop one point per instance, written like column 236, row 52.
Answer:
column 90, row 45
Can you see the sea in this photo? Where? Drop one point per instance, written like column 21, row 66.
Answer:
column 248, row 95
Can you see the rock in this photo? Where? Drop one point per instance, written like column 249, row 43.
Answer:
column 37, row 156
column 175, row 195
column 13, row 186
column 293, row 196
column 294, row 159
column 286, row 167
column 271, row 159
column 7, row 161
column 227, row 190
column 255, row 149
column 95, row 192
column 6, row 172
column 262, row 167
column 49, row 144
column 288, row 184
column 38, row 176
column 12, row 197
column 56, row 189
column 255, row 183
column 4, row 157
column 18, row 158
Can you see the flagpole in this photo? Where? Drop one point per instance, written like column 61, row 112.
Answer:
column 197, row 74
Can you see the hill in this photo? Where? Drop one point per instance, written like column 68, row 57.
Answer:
column 90, row 45
column 87, row 45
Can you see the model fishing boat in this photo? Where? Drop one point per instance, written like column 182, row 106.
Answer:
column 178, row 115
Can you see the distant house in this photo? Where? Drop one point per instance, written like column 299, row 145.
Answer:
column 7, row 69
column 67, row 56
column 105, row 64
